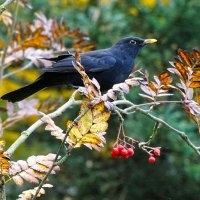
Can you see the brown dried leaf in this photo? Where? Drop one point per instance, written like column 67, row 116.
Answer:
column 196, row 53
column 195, row 84
column 152, row 85
column 185, row 56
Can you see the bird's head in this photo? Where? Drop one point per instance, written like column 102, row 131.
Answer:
column 131, row 45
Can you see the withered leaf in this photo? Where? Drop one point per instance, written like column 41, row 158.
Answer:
column 196, row 53
column 153, row 86
column 165, row 80
column 195, row 84
column 185, row 56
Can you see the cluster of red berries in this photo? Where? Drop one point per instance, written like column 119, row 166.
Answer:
column 122, row 152
column 156, row 152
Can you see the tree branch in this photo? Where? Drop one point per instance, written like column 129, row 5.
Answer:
column 5, row 5
column 59, row 149
column 181, row 134
column 25, row 134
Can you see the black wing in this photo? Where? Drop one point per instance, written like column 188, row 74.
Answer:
column 94, row 61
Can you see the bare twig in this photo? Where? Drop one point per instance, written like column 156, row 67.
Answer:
column 156, row 119
column 182, row 134
column 18, row 70
column 25, row 134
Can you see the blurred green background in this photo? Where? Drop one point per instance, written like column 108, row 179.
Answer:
column 90, row 175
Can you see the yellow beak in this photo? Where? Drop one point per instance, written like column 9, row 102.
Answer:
column 150, row 41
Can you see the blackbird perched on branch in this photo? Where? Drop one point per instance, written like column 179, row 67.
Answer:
column 108, row 66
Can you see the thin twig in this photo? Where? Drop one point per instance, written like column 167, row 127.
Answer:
column 18, row 70
column 59, row 149
column 25, row 134
column 155, row 130
column 133, row 106
column 182, row 134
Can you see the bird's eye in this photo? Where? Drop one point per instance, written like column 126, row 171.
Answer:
column 133, row 42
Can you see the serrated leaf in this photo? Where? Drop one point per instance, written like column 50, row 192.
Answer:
column 195, row 84
column 74, row 135
column 185, row 57
column 90, row 139
column 85, row 123
column 98, row 128
column 101, row 117
column 98, row 109
column 165, row 78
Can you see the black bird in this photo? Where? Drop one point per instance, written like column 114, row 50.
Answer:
column 108, row 66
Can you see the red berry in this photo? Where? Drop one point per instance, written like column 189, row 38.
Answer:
column 120, row 147
column 125, row 156
column 124, row 152
column 152, row 159
column 115, row 151
column 113, row 155
column 156, row 152
column 130, row 151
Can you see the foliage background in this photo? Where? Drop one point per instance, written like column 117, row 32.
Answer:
column 88, row 175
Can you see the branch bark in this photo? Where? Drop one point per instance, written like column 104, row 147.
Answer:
column 5, row 5
column 25, row 134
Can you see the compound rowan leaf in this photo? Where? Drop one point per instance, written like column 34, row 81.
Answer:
column 89, row 129
column 33, row 169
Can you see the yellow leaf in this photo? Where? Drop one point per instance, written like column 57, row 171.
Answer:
column 85, row 122
column 101, row 117
column 98, row 109
column 99, row 128
column 4, row 164
column 90, row 139
column 74, row 134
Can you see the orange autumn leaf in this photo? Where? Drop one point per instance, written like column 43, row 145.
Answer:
column 4, row 163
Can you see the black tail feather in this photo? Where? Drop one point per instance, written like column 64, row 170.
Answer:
column 24, row 92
